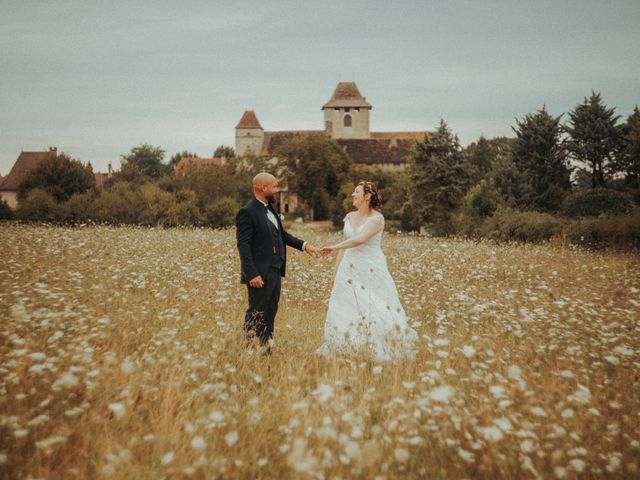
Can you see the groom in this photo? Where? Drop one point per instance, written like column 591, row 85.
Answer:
column 262, row 242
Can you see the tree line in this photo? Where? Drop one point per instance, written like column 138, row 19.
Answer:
column 532, row 186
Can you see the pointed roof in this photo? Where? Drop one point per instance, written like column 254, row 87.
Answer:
column 25, row 163
column 347, row 94
column 249, row 120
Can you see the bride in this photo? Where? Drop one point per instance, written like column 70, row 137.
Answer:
column 365, row 315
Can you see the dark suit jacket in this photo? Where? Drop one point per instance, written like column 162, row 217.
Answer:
column 255, row 242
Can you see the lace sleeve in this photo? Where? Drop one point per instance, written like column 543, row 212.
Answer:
column 378, row 217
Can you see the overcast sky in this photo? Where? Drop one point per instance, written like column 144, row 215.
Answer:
column 98, row 78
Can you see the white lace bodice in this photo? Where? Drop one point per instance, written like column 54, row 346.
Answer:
column 373, row 245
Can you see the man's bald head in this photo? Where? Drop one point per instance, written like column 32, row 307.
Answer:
column 262, row 179
column 265, row 187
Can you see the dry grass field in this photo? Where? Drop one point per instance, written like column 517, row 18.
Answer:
column 122, row 358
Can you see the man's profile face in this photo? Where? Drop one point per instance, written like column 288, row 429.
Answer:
column 270, row 190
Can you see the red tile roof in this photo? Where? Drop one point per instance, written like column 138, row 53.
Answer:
column 377, row 151
column 387, row 148
column 189, row 164
column 272, row 140
column 25, row 163
column 347, row 94
column 249, row 120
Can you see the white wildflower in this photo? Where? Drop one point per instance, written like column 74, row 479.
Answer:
column 66, row 380
column 324, row 392
column 491, row 433
column 442, row 393
column 468, row 351
column 538, row 411
column 198, row 442
column 577, row 464
column 514, row 372
column 504, row 424
column 581, row 395
column 127, row 366
column 118, row 409
column 167, row 458
column 231, row 438
column 401, row 454
column 466, row 455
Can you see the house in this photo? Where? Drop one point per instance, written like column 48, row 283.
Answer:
column 346, row 120
column 101, row 178
column 25, row 164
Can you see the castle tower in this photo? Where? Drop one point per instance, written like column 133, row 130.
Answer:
column 249, row 134
column 346, row 114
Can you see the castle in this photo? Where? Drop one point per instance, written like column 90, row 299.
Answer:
column 346, row 120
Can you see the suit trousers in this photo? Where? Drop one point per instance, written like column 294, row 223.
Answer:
column 263, row 306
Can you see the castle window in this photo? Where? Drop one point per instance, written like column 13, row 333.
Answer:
column 346, row 109
column 336, row 109
column 357, row 109
column 347, row 120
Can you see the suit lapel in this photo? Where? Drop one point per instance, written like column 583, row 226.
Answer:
column 262, row 215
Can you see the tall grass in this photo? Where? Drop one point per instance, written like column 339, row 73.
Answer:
column 122, row 357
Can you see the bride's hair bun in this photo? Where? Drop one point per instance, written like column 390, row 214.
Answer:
column 376, row 200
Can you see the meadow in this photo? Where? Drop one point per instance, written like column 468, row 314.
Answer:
column 122, row 357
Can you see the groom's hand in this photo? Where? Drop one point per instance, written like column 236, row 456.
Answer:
column 256, row 282
column 311, row 250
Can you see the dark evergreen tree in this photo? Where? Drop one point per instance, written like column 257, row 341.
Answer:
column 59, row 176
column 540, row 156
column 439, row 181
column 480, row 159
column 224, row 151
column 595, row 137
column 628, row 162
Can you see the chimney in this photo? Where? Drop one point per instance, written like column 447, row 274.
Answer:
column 109, row 170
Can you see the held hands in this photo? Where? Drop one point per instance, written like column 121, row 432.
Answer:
column 326, row 251
column 311, row 250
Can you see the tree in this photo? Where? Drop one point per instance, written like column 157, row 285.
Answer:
column 540, row 155
column 628, row 161
column 438, row 180
column 315, row 167
column 147, row 159
column 60, row 176
column 224, row 152
column 595, row 137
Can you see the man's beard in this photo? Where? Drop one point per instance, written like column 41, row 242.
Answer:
column 270, row 198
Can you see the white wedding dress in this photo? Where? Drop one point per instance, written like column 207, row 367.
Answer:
column 365, row 315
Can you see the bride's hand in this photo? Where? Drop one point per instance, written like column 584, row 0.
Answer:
column 326, row 251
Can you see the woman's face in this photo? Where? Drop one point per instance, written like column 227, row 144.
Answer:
column 359, row 197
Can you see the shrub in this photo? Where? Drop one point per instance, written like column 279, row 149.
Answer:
column 157, row 203
column 507, row 224
column 5, row 211
column 620, row 230
column 221, row 212
column 479, row 203
column 80, row 207
column 184, row 211
column 121, row 204
column 39, row 205
column 595, row 202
